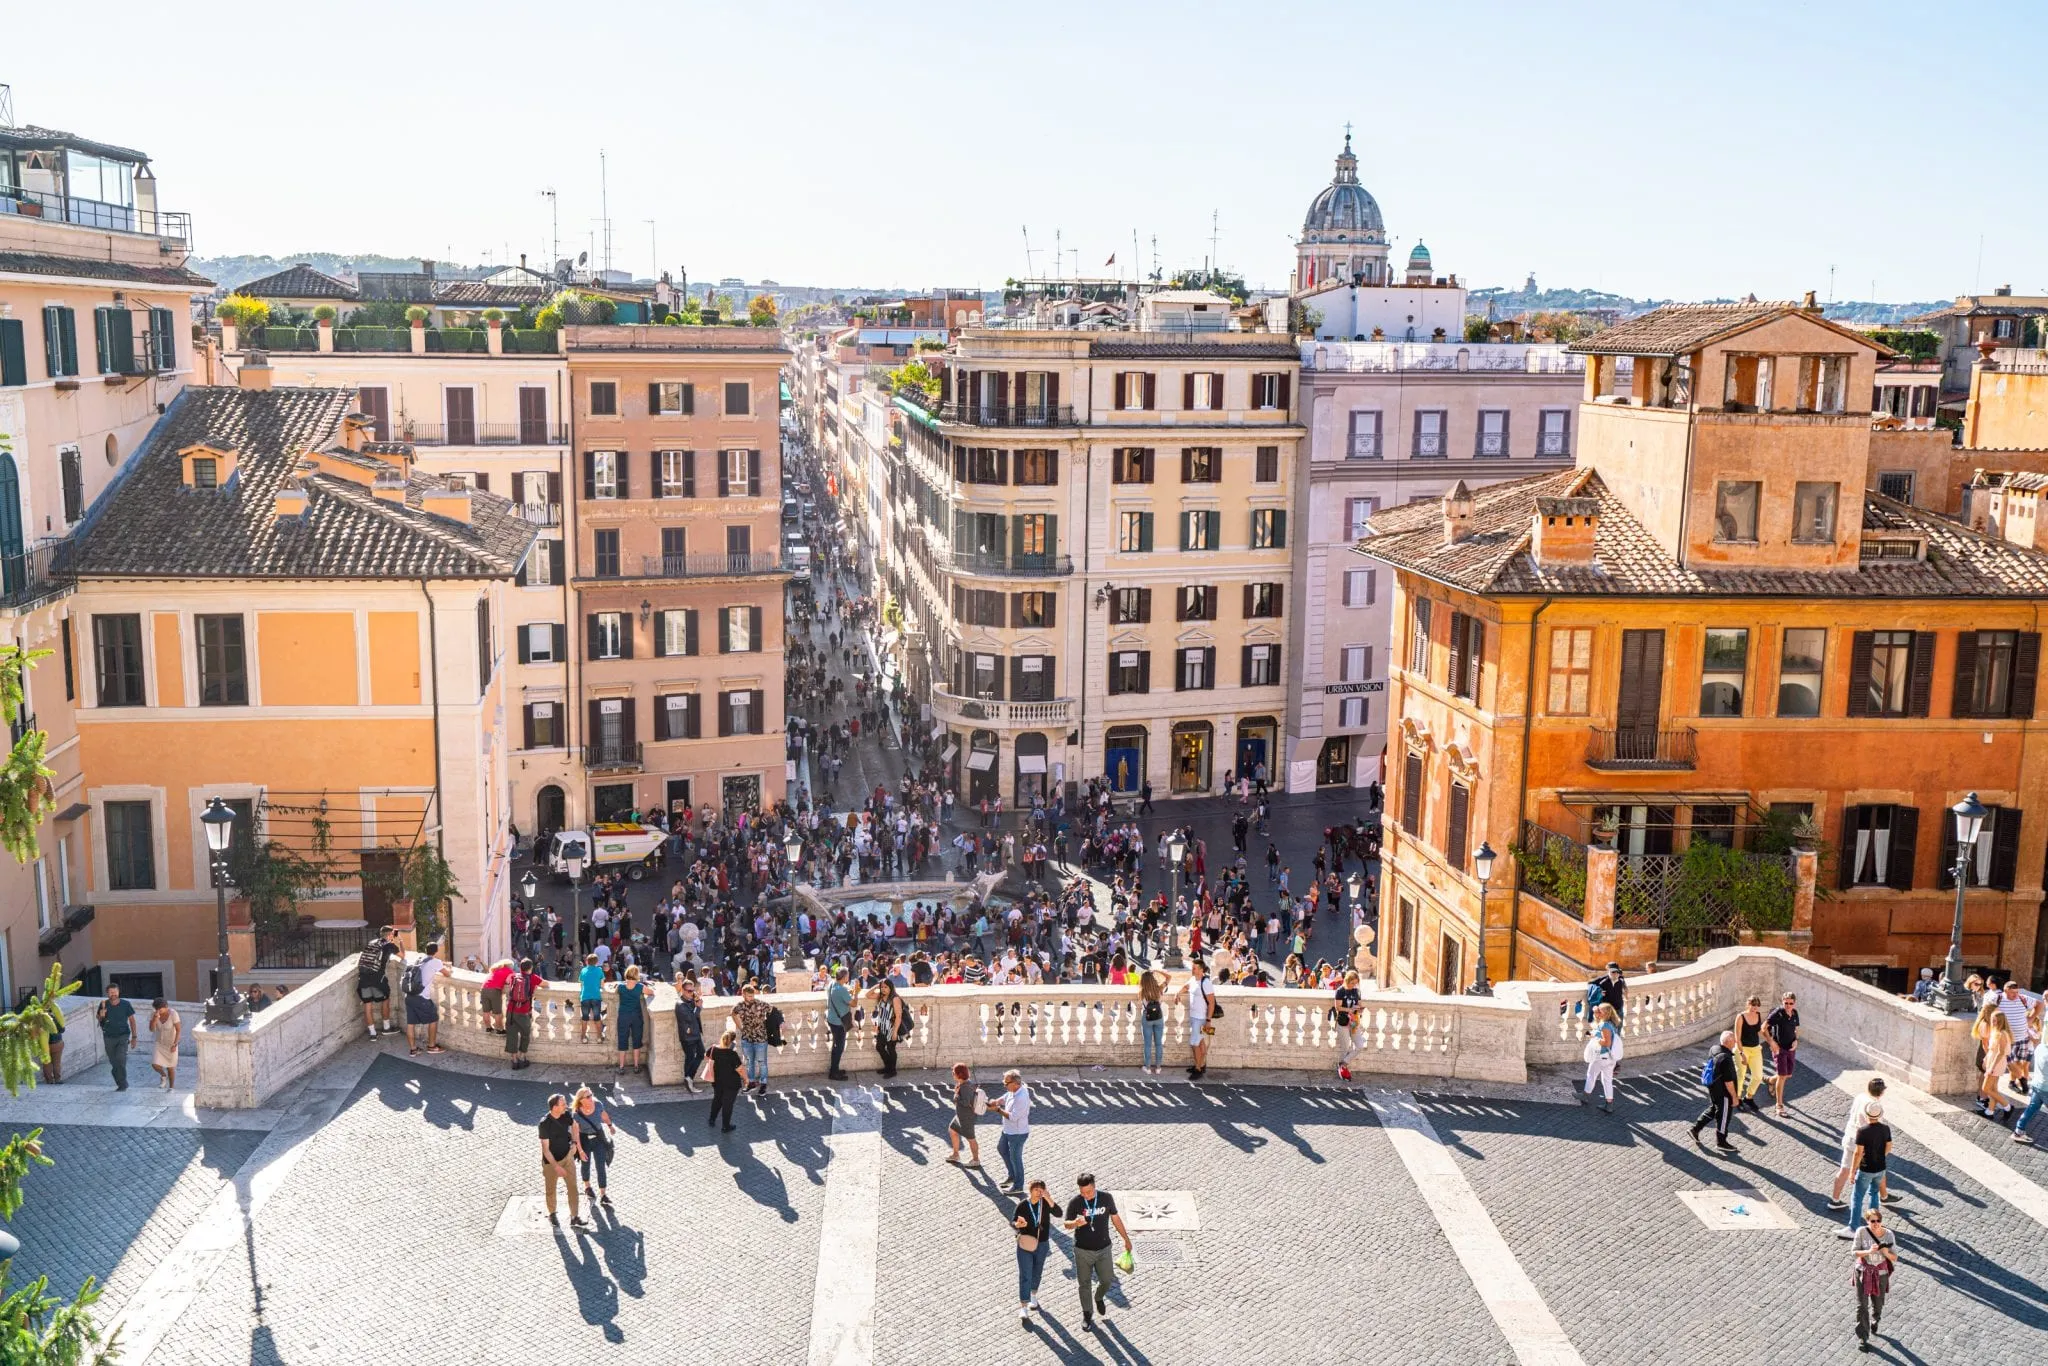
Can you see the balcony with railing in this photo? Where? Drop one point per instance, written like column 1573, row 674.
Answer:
column 92, row 213
column 311, row 948
column 710, row 564
column 1652, row 750
column 611, row 755
column 1390, row 357
column 1000, row 566
column 538, row 514
column 35, row 574
column 1007, row 415
column 955, row 710
column 523, row 433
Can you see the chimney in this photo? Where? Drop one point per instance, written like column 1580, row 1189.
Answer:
column 1807, row 305
column 1457, row 513
column 255, row 372
column 2003, row 291
column 356, row 431
column 450, row 503
column 1564, row 531
column 291, row 502
column 522, row 260
column 426, row 268
column 389, row 487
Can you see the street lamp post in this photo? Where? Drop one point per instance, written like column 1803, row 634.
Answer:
column 793, row 850
column 1482, row 865
column 225, row 1006
column 1175, row 848
column 1949, row 994
column 572, row 859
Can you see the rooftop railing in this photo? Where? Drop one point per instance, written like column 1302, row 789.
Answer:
column 92, row 213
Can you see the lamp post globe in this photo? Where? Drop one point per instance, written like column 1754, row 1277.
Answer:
column 793, row 850
column 225, row 1006
column 529, row 886
column 1949, row 994
column 1482, row 868
column 9, row 1245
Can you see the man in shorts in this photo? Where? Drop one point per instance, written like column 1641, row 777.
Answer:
column 1200, row 995
column 1783, row 1029
column 373, row 985
column 590, row 998
column 421, row 1010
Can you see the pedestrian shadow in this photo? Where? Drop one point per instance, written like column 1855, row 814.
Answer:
column 755, row 1179
column 625, row 1252
column 597, row 1298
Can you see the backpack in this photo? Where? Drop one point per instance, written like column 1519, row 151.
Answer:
column 519, row 990
column 370, row 964
column 1707, row 1070
column 774, row 1027
column 409, row 981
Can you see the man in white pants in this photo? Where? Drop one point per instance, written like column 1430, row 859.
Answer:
column 1858, row 1117
column 1200, row 995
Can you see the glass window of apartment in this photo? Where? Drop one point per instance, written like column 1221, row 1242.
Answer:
column 1034, row 609
column 604, row 474
column 1269, row 528
column 1354, row 665
column 1197, row 530
column 739, row 629
column 540, row 642
column 1196, row 602
column 1129, row 606
column 1262, row 600
column 740, row 709
column 1205, row 390
column 1553, row 435
column 205, row 475
column 117, row 659
column 1418, row 636
column 1197, row 668
column 738, row 398
column 1891, row 670
column 1357, row 512
column 1799, row 670
column 607, row 635
column 604, row 398
column 1133, row 390
column 1365, row 435
column 678, row 470
column 1201, row 465
column 1266, row 465
column 1134, row 532
column 1261, row 665
column 1813, row 512
column 985, row 675
column 1571, row 671
column 1037, row 467
column 1724, row 665
column 1352, row 713
column 131, row 847
column 738, row 472
column 1493, row 432
column 1361, row 587
column 543, row 726
column 1896, row 484
column 1032, row 678
column 676, row 636
column 223, row 664
column 1129, row 671
column 673, row 398
column 604, row 544
column 1990, row 681
column 1269, row 390
column 1429, row 433
column 1735, row 505
column 1130, row 465
column 1880, row 852
column 987, row 465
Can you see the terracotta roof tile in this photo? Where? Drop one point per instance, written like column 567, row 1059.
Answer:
column 1678, row 328
column 83, row 268
column 299, row 282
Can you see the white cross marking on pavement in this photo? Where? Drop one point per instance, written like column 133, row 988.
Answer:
column 1510, row 1296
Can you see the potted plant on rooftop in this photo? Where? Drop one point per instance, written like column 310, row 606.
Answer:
column 494, row 318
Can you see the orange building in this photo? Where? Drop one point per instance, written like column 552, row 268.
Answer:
column 1656, row 678
column 275, row 609
column 675, row 534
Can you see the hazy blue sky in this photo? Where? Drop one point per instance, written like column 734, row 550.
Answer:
column 1684, row 151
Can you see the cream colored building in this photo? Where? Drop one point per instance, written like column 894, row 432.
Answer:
column 1095, row 530
column 95, row 338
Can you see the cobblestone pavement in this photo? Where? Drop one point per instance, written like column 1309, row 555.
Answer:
column 117, row 1200
column 1309, row 1237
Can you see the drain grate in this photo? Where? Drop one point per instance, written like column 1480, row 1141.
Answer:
column 1158, row 1252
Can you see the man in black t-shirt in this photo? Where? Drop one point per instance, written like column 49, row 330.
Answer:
column 1873, row 1146
column 373, row 982
column 559, row 1151
column 1090, row 1216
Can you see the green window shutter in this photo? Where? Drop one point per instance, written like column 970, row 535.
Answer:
column 67, row 327
column 1186, row 525
column 1279, row 528
column 1144, row 531
column 102, row 334
column 13, row 353
column 1215, row 527
column 53, row 342
column 1052, row 534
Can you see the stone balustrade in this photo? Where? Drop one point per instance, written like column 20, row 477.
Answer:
column 1402, row 1033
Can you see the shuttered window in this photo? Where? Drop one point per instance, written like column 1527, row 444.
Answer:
column 1468, row 651
column 1877, row 846
column 1996, row 673
column 1994, row 861
column 1455, row 827
column 1891, row 673
column 13, row 354
column 1411, row 793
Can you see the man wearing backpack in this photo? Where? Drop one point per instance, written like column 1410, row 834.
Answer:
column 1609, row 990
column 373, row 988
column 1718, row 1076
column 416, row 982
column 518, row 984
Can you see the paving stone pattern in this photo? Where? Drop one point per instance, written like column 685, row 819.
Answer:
column 117, row 1200
column 1589, row 1203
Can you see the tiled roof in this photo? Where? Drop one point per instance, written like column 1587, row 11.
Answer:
column 483, row 294
column 1109, row 348
column 150, row 525
column 299, row 282
column 1677, row 328
column 84, row 268
column 29, row 138
column 1495, row 557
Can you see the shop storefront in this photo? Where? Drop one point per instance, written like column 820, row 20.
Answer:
column 1193, row 756
column 1333, row 765
column 983, row 782
column 1257, row 742
column 1031, row 769
column 1124, row 754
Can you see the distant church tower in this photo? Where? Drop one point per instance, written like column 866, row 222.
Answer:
column 1343, row 237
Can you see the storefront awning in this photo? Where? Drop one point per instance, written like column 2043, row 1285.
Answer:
column 951, row 749
column 981, row 760
column 1031, row 763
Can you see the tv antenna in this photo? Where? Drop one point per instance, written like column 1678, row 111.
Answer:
column 653, row 248
column 1030, row 267
column 604, row 209
column 554, row 226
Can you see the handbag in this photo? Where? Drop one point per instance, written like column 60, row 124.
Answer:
column 1028, row 1242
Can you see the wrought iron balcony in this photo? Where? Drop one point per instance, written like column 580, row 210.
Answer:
column 527, row 433
column 1010, row 566
column 615, row 755
column 307, row 948
column 715, row 564
column 1670, row 750
column 91, row 213
column 36, row 574
column 1008, row 415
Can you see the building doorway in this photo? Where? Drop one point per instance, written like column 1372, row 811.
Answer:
column 1031, row 769
column 611, row 802
column 380, row 877
column 742, row 793
column 983, row 782
column 1123, row 757
column 140, row 988
column 1333, row 765
column 1193, row 755
column 678, row 802
column 1450, row 975
column 550, row 813
column 1255, row 746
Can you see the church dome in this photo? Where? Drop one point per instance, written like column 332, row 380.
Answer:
column 1418, row 259
column 1344, row 212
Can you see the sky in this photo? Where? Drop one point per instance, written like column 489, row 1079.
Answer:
column 1689, row 152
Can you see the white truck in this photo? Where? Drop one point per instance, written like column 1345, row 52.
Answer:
column 607, row 845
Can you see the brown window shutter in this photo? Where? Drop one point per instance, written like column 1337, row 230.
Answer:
column 592, row 731
column 1859, row 675
column 483, row 480
column 693, row 719
column 1845, row 852
column 2026, row 669
column 1208, row 666
column 555, row 489
column 753, row 474
column 725, row 714
column 1411, row 793
column 724, row 632
column 1016, row 607
column 1279, row 591
column 1187, row 464
column 518, row 487
column 1145, row 459
column 1454, row 834
column 2005, row 848
column 1145, row 667
column 625, row 635
column 1475, row 655
column 689, row 399
column 527, row 713
column 1144, row 604
column 724, row 484
column 625, row 462
column 554, row 561
column 1456, row 678
column 690, row 631
column 1286, row 391
column 1905, row 828
column 1921, row 689
column 590, row 474
column 1052, row 394
column 1244, row 667
column 1212, row 601
column 1117, row 390
column 1002, row 467
column 1247, row 600
column 754, row 627
column 1966, row 676
column 653, row 398
column 757, row 711
column 1187, row 390
column 945, row 384
column 689, row 474
column 1151, row 390
column 1216, row 390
